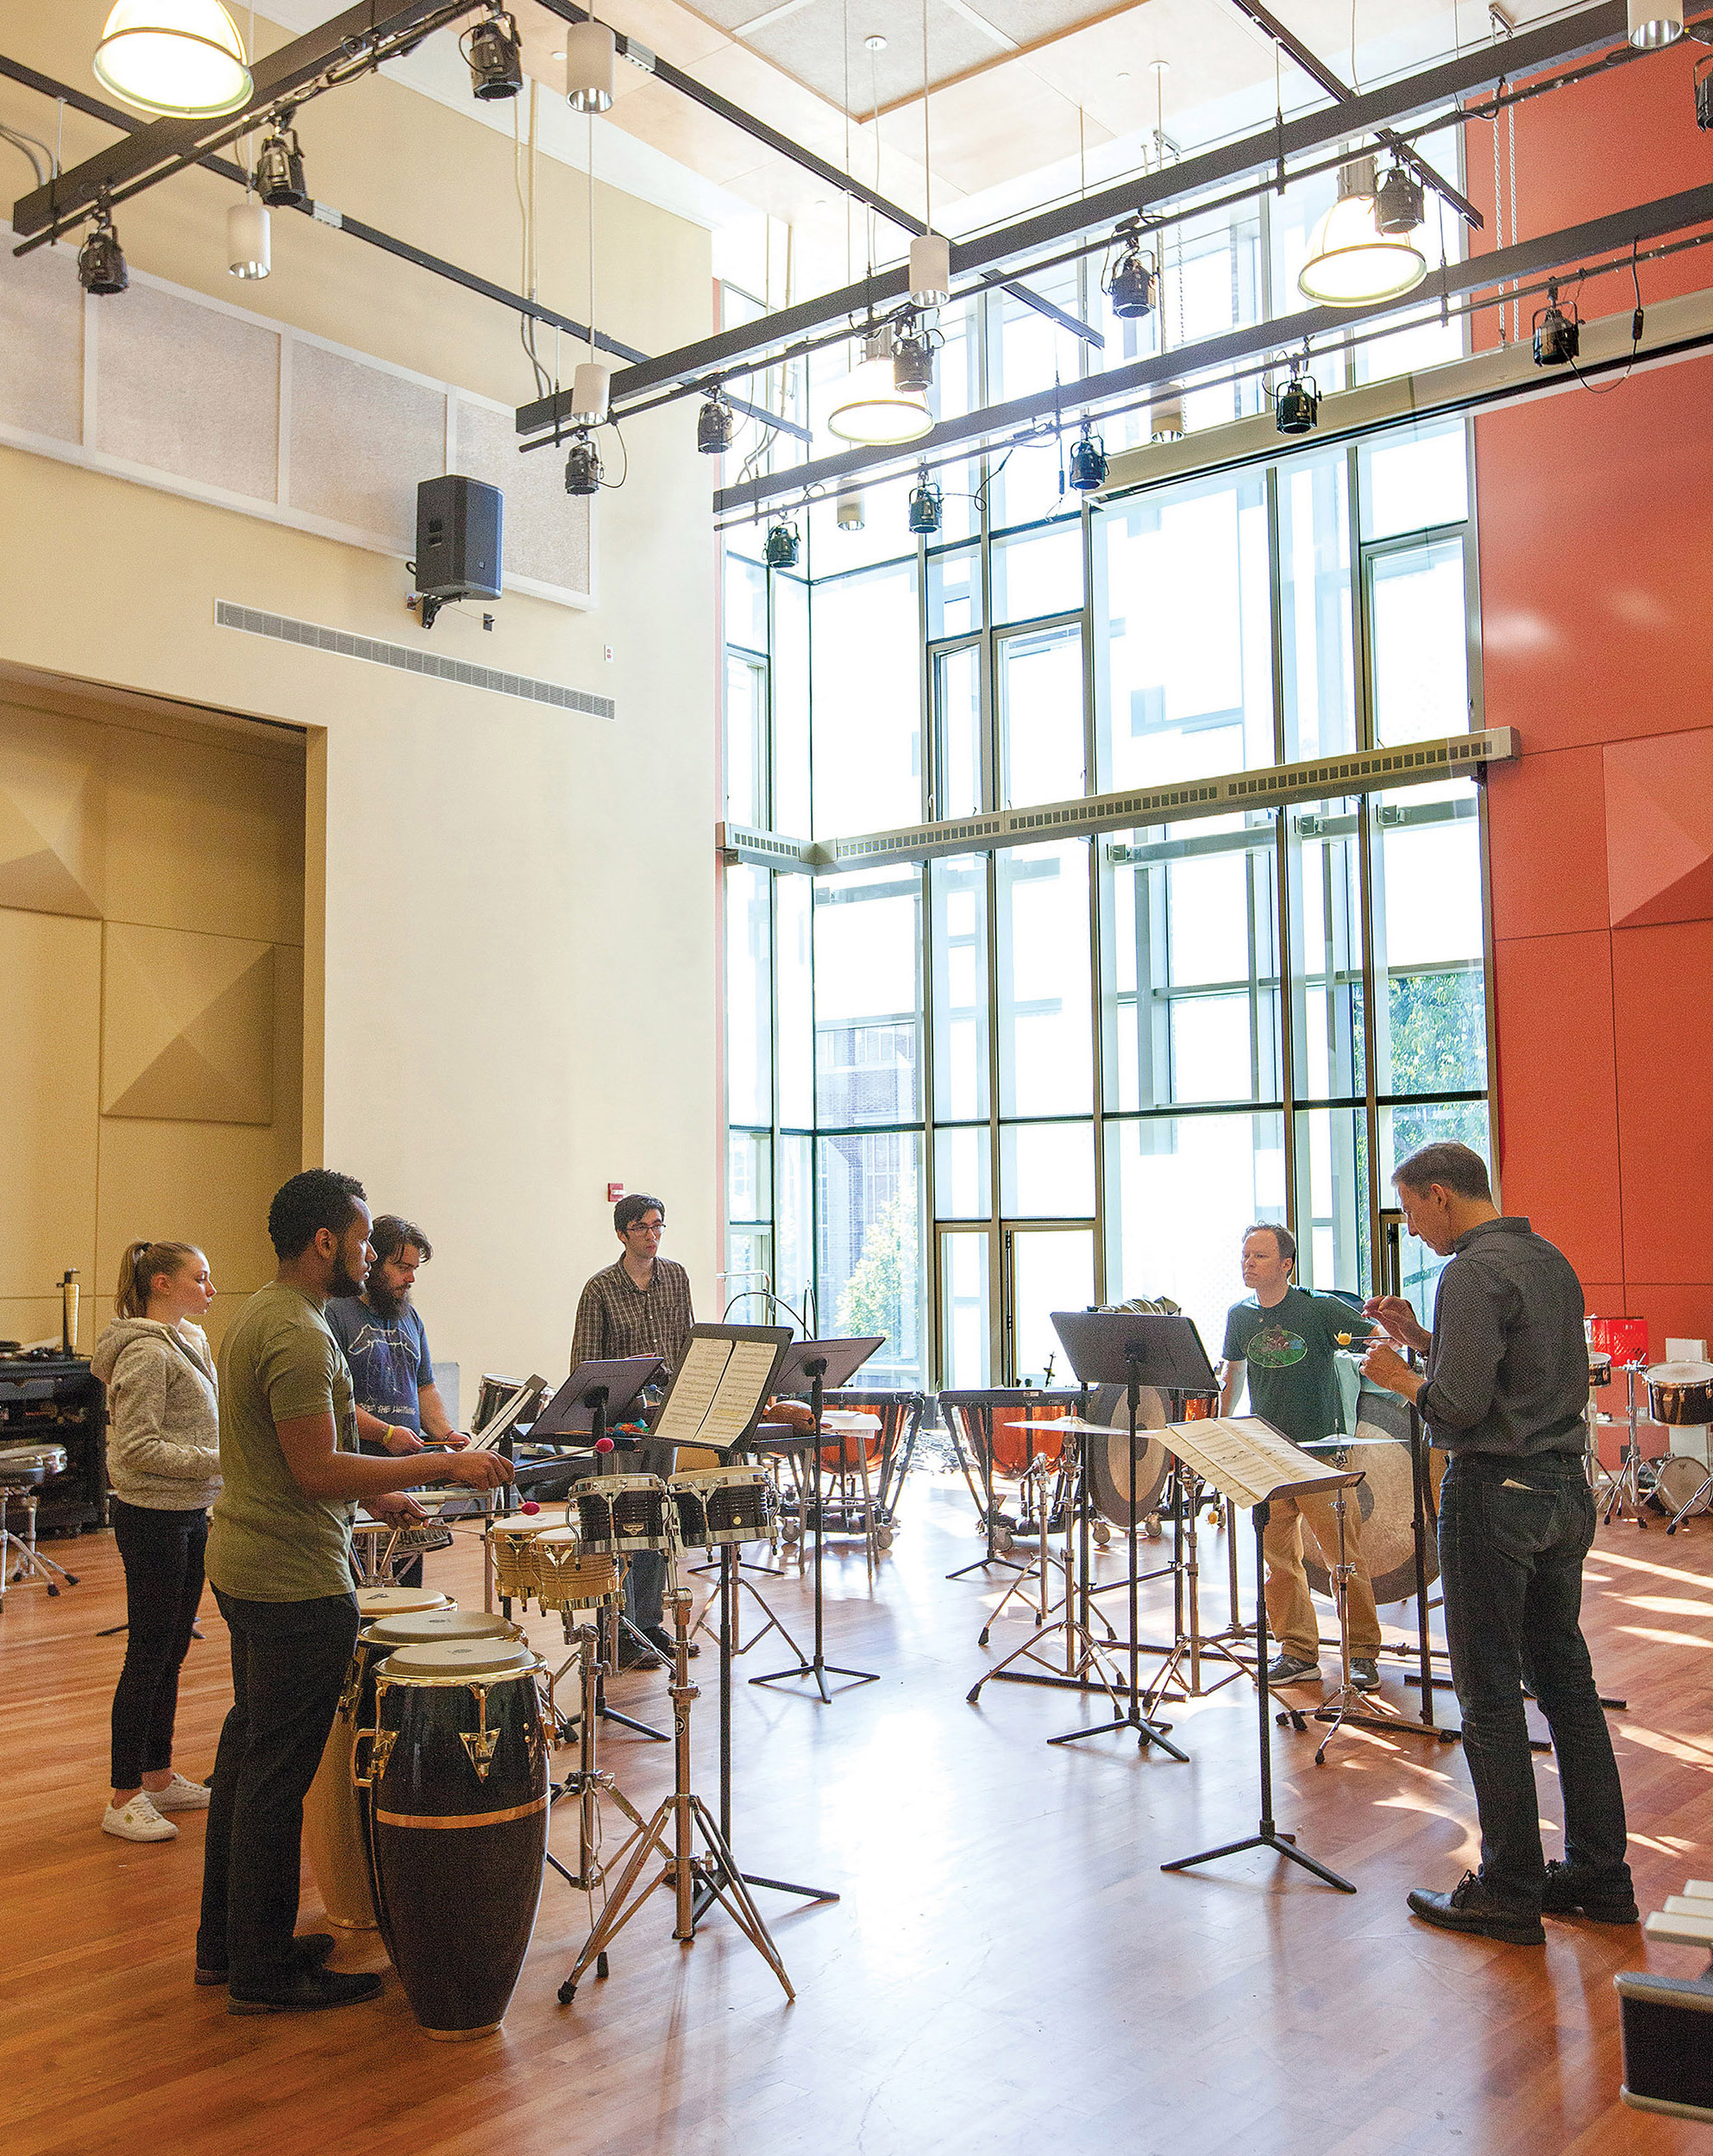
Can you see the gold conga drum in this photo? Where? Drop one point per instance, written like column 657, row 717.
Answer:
column 332, row 1832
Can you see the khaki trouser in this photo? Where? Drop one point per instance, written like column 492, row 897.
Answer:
column 1290, row 1613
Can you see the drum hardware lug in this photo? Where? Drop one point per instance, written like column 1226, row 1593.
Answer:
column 382, row 1741
column 481, row 1741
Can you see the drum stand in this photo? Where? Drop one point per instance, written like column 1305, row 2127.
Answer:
column 817, row 1665
column 30, row 1564
column 1626, row 1485
column 1266, row 1835
column 1186, row 1570
column 672, row 1831
column 588, row 1781
column 990, row 1519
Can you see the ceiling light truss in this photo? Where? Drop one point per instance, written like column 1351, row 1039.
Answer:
column 1007, row 250
column 969, row 432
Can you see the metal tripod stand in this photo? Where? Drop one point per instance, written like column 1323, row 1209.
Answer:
column 678, row 1822
column 588, row 1781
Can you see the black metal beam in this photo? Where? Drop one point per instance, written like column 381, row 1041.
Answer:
column 1444, row 83
column 167, row 145
column 1598, row 235
column 1318, row 72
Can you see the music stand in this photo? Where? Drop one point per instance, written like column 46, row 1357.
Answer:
column 595, row 1394
column 1252, row 1463
column 1134, row 1348
column 814, row 1366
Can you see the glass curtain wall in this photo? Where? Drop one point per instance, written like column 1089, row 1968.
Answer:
column 968, row 1091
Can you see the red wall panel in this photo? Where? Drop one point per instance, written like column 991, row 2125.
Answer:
column 1546, row 828
column 1662, row 1018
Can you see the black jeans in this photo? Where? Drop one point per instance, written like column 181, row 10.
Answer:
column 162, row 1555
column 1513, row 1534
column 288, row 1665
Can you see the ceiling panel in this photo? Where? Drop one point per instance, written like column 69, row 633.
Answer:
column 808, row 44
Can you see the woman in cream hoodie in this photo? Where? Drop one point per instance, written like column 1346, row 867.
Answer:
column 163, row 1460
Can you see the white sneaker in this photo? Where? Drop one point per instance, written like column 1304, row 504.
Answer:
column 139, row 1822
column 181, row 1795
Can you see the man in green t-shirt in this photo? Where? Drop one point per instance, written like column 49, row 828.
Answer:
column 280, row 1564
column 1286, row 1340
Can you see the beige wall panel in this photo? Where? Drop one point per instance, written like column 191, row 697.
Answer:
column 187, row 1026
column 201, row 836
column 41, row 343
column 53, row 812
column 547, row 530
column 361, row 439
column 27, row 1317
column 49, row 1056
column 186, row 390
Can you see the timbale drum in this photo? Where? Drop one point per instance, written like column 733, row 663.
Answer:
column 454, row 1772
column 333, row 1838
column 718, row 1505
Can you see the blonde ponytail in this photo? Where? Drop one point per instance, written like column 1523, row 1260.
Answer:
column 138, row 1270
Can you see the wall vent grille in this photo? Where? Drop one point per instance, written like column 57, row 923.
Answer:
column 410, row 659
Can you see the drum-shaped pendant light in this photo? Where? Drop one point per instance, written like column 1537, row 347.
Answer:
column 1655, row 22
column 249, row 252
column 1351, row 260
column 589, row 59
column 174, row 56
column 870, row 407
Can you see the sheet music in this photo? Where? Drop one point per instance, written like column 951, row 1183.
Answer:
column 1247, row 1459
column 716, row 1393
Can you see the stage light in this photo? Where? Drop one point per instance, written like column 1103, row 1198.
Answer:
column 1087, row 461
column 930, row 270
column 1655, row 22
column 496, row 57
column 591, row 389
column 582, row 466
column 1297, row 406
column 100, row 259
column 1401, row 205
column 589, row 58
column 870, row 407
column 174, row 56
column 715, row 426
column 248, row 251
column 279, row 167
column 1353, row 262
column 925, row 505
column 851, row 515
column 913, row 362
column 1133, row 288
column 779, row 548
column 1558, row 335
column 1165, row 413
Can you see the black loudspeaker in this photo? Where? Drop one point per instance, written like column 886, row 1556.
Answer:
column 460, row 530
column 1667, row 2029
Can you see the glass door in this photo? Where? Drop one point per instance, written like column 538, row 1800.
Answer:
column 1046, row 1266
column 966, row 1359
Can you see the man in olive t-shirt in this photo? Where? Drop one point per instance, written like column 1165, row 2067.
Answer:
column 280, row 1562
column 1286, row 1339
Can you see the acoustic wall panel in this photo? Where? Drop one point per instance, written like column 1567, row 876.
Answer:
column 49, row 1051
column 1546, row 826
column 1663, row 1025
column 547, row 530
column 41, row 343
column 1659, row 828
column 189, row 389
column 52, row 813
column 361, row 438
column 187, row 1026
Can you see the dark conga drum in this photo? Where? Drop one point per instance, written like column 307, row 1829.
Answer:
column 456, row 1786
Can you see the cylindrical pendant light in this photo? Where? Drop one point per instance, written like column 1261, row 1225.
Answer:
column 870, row 407
column 591, row 388
column 1655, row 22
column 174, row 56
column 590, row 55
column 248, row 251
column 1165, row 413
column 930, row 270
column 1351, row 260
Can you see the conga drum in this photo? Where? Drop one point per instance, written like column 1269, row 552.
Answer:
column 332, row 1830
column 455, row 1783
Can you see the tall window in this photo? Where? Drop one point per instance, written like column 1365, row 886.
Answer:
column 971, row 1087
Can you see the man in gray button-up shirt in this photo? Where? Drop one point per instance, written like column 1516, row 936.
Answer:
column 1504, row 1390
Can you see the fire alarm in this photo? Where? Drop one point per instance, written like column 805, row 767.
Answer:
column 614, row 1192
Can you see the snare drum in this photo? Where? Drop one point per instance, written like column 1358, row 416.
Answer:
column 29, row 1466
column 456, row 1797
column 568, row 1575
column 332, row 1831
column 620, row 1513
column 724, row 1504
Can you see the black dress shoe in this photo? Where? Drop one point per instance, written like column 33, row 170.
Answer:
column 1473, row 1906
column 663, row 1643
column 306, row 1991
column 631, row 1656
column 309, row 1951
column 1572, row 1891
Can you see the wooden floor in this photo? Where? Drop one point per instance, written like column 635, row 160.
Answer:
column 1009, row 1968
